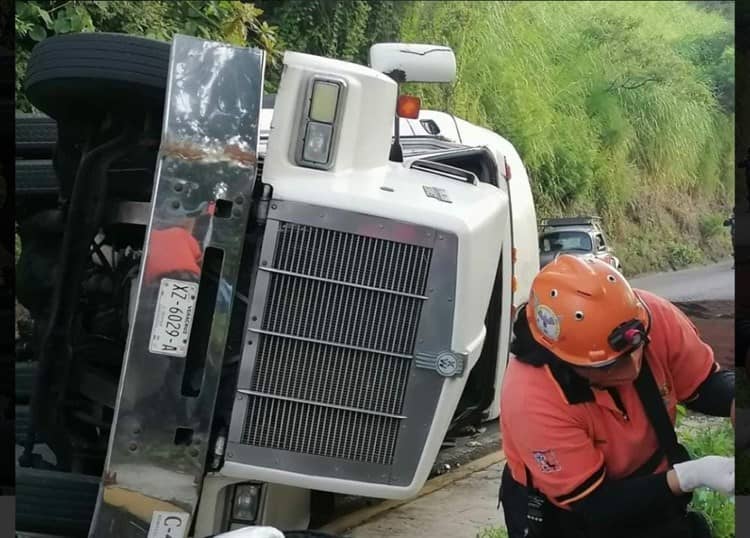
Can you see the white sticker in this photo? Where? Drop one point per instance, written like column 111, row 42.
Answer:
column 168, row 525
column 547, row 322
column 173, row 318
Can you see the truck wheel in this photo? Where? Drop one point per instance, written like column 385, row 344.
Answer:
column 55, row 503
column 21, row 422
column 36, row 136
column 25, row 372
column 36, row 178
column 80, row 74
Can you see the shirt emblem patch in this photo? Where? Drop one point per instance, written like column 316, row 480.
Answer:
column 547, row 461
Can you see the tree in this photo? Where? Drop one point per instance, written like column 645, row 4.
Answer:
column 341, row 29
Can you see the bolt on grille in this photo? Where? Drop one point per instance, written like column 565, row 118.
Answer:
column 336, row 342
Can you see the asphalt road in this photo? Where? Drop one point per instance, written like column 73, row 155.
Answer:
column 706, row 283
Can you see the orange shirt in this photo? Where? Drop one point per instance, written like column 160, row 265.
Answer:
column 570, row 449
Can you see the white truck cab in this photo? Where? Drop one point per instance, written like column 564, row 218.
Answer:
column 463, row 194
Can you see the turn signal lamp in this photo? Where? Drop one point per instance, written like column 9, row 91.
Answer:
column 408, row 107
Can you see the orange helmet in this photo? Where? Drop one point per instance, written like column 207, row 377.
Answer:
column 585, row 312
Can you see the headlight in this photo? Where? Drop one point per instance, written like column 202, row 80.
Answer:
column 245, row 503
column 317, row 143
column 318, row 126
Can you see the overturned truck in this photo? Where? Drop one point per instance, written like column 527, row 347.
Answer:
column 236, row 301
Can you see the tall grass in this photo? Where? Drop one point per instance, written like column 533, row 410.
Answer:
column 609, row 103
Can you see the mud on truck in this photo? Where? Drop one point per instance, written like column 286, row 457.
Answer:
column 237, row 301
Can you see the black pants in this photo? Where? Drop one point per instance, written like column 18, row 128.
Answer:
column 561, row 524
column 514, row 501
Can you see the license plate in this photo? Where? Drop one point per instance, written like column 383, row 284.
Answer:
column 173, row 319
column 168, row 525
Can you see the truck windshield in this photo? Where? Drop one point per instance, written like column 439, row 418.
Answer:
column 557, row 241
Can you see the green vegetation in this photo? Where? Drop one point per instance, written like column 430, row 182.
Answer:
column 620, row 108
column 701, row 439
column 493, row 533
column 342, row 29
column 233, row 22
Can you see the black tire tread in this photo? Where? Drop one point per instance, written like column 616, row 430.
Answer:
column 25, row 372
column 90, row 71
column 36, row 177
column 36, row 135
column 22, row 419
column 54, row 502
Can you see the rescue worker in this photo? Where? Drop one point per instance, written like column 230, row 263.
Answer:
column 587, row 454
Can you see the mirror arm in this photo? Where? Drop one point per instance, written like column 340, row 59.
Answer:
column 397, row 153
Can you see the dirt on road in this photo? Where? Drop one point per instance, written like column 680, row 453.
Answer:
column 715, row 323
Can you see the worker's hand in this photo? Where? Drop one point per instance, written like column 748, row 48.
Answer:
column 713, row 472
column 170, row 251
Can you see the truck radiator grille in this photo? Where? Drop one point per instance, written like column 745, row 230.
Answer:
column 335, row 344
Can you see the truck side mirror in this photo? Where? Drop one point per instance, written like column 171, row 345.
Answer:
column 408, row 62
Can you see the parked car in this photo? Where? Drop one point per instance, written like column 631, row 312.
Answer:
column 576, row 236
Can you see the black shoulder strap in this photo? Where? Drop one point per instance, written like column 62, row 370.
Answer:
column 656, row 412
column 527, row 350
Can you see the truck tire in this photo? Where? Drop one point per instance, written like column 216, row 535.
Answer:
column 80, row 74
column 25, row 372
column 56, row 503
column 22, row 419
column 36, row 136
column 36, row 178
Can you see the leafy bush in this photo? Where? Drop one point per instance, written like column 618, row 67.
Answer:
column 341, row 29
column 681, row 254
column 233, row 22
column 712, row 225
column 706, row 441
column 493, row 533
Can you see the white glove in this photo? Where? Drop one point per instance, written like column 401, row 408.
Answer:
column 253, row 532
column 713, row 472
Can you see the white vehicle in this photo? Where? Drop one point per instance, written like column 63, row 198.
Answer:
column 351, row 304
